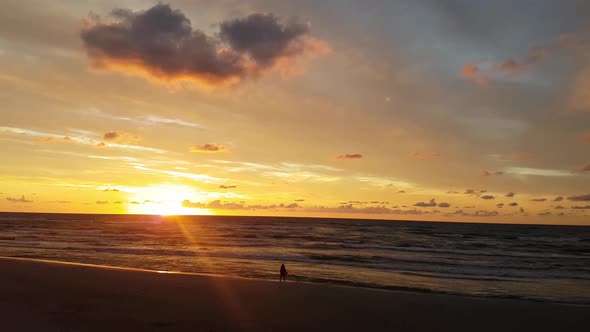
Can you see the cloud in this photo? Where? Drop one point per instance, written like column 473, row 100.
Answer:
column 474, row 192
column 538, row 199
column 444, row 205
column 22, row 199
column 584, row 137
column 111, row 136
column 559, row 207
column 483, row 213
column 546, row 213
column 425, row 155
column 161, row 43
column 223, row 186
column 401, row 192
column 482, row 72
column 264, row 38
column 587, row 207
column 538, row 171
column 300, row 200
column 432, row 203
column 46, row 140
column 500, row 205
column 208, row 148
column 490, row 173
column 219, row 205
column 585, row 168
column 510, row 194
column 63, row 202
column 513, row 204
column 102, row 202
column 350, row 156
column 558, row 199
column 487, row 197
column 580, row 198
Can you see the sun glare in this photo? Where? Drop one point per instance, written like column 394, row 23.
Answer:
column 164, row 200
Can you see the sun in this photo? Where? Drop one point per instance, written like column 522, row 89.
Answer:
column 163, row 199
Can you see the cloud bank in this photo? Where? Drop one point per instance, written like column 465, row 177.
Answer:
column 160, row 43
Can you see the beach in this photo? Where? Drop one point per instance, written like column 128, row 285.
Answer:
column 47, row 296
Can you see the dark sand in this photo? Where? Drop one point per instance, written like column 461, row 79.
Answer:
column 40, row 296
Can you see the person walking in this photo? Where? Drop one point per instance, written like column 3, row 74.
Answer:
column 284, row 273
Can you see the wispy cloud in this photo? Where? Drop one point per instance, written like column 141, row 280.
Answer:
column 350, row 156
column 22, row 199
column 538, row 171
column 208, row 148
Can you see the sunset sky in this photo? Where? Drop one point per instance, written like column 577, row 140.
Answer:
column 419, row 110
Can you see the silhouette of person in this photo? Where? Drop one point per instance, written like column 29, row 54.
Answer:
column 284, row 273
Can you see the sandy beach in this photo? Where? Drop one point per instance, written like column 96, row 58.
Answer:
column 44, row 296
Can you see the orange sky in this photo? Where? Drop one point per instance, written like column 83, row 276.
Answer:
column 267, row 108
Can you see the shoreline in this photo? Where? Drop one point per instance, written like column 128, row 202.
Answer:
column 334, row 283
column 364, row 217
column 51, row 296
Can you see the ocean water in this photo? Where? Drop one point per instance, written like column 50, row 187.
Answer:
column 544, row 263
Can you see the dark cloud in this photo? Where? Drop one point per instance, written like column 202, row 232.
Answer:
column 63, row 202
column 111, row 189
column 208, row 148
column 500, row 205
column 162, row 43
column 559, row 207
column 401, row 192
column 432, row 203
column 580, row 198
column 300, row 200
column 223, row 186
column 444, row 205
column 22, row 199
column 510, row 194
column 111, row 136
column 350, row 156
column 585, row 168
column 475, row 192
column 481, row 213
column 102, row 202
column 538, row 199
column 546, row 213
column 558, row 199
column 219, row 205
column 586, row 207
column 264, row 38
column 513, row 204
column 487, row 197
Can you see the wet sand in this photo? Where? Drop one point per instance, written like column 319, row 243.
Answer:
column 43, row 296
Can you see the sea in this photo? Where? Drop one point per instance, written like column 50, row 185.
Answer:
column 533, row 262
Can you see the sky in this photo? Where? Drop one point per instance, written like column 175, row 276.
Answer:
column 473, row 111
